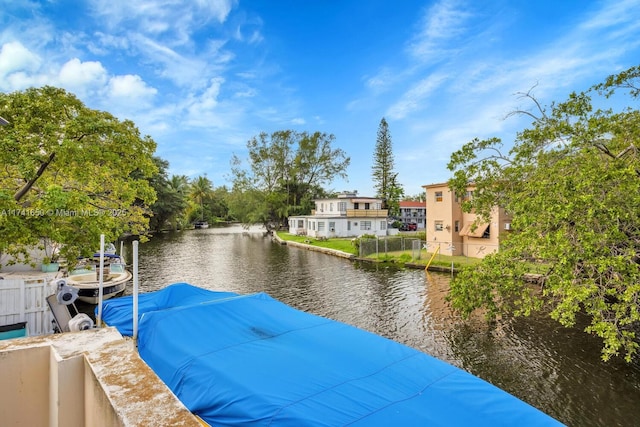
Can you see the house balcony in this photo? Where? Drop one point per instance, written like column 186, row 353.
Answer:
column 354, row 213
column 369, row 213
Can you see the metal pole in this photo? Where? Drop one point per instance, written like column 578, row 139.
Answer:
column 135, row 289
column 100, row 282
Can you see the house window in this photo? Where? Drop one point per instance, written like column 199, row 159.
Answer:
column 365, row 225
column 331, row 207
column 348, row 225
column 342, row 206
column 367, row 206
column 356, row 205
column 300, row 223
column 456, row 226
column 439, row 225
column 320, row 225
column 487, row 233
column 438, row 196
column 383, row 225
column 332, row 226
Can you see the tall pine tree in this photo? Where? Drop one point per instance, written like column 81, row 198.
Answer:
column 384, row 176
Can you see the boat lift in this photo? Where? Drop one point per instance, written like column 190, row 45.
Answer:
column 60, row 303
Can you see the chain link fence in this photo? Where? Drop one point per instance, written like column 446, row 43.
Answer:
column 370, row 246
column 418, row 249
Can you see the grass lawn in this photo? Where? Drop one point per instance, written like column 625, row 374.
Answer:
column 340, row 244
column 398, row 257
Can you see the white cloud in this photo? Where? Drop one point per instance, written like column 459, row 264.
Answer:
column 443, row 21
column 202, row 109
column 16, row 58
column 82, row 77
column 130, row 87
column 155, row 17
column 169, row 64
column 415, row 97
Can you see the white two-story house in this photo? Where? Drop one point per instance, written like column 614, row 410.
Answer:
column 347, row 215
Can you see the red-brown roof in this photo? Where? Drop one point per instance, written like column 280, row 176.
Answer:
column 412, row 204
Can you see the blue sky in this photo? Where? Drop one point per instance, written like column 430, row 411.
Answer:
column 202, row 77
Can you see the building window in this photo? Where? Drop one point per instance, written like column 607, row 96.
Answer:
column 487, row 233
column 348, row 225
column 332, row 226
column 367, row 206
column 438, row 196
column 456, row 226
column 331, row 207
column 383, row 225
column 300, row 223
column 439, row 225
column 365, row 225
column 356, row 205
column 342, row 206
column 320, row 225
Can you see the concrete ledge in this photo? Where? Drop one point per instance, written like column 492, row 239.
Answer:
column 92, row 377
column 328, row 251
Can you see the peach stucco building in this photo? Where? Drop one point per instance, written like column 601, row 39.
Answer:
column 450, row 229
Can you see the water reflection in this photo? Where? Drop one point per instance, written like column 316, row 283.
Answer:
column 555, row 369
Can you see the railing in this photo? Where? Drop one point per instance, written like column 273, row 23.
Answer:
column 351, row 213
column 368, row 213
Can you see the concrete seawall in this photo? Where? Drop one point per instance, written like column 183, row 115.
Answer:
column 327, row 251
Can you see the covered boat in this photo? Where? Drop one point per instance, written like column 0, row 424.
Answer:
column 250, row 360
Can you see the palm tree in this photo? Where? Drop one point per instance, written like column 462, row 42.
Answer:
column 200, row 190
column 179, row 184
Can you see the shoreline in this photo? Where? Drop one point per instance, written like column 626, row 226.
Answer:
column 351, row 257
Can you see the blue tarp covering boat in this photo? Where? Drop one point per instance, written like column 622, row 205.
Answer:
column 250, row 360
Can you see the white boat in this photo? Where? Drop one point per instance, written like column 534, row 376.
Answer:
column 86, row 277
column 201, row 224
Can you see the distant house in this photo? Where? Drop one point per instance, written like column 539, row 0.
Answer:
column 453, row 231
column 413, row 212
column 347, row 215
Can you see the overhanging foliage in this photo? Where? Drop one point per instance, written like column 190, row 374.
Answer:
column 572, row 183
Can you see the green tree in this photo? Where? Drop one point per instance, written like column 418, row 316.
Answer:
column 200, row 192
column 218, row 204
column 171, row 199
column 384, row 176
column 69, row 173
column 572, row 184
column 287, row 169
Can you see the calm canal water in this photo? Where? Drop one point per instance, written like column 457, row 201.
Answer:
column 555, row 369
